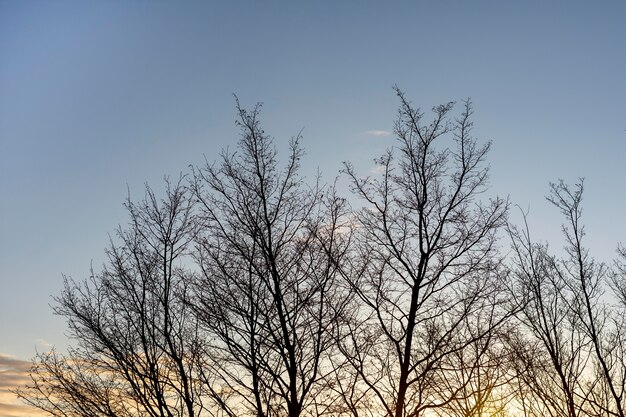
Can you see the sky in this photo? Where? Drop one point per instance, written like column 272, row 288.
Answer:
column 99, row 98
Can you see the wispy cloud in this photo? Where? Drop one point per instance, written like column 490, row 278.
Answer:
column 378, row 133
column 377, row 170
column 44, row 343
column 13, row 373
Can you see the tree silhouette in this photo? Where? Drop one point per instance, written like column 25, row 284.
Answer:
column 572, row 362
column 137, row 347
column 425, row 266
column 551, row 352
column 247, row 290
column 268, row 295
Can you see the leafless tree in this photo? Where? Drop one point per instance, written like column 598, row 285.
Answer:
column 269, row 294
column 572, row 363
column 595, row 318
column 553, row 354
column 136, row 345
column 425, row 266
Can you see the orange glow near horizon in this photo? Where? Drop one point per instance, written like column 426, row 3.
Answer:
column 13, row 373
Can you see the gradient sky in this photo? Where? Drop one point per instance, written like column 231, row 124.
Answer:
column 100, row 97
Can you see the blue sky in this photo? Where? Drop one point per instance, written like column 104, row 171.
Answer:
column 97, row 98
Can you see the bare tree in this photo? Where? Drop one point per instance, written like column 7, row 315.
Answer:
column 573, row 361
column 553, row 355
column 137, row 346
column 594, row 316
column 268, row 295
column 425, row 265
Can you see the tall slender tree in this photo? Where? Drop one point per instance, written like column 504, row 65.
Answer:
column 595, row 316
column 572, row 363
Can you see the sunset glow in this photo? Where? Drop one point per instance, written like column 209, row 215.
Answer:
column 288, row 209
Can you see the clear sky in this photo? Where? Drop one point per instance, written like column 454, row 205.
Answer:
column 100, row 97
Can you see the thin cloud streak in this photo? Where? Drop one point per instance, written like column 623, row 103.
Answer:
column 377, row 170
column 44, row 343
column 378, row 133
